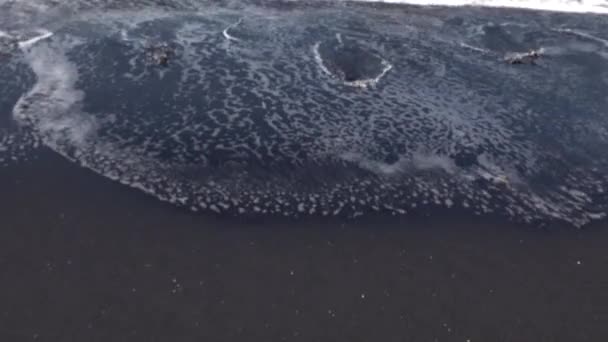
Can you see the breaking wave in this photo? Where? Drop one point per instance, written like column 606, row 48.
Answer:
column 572, row 6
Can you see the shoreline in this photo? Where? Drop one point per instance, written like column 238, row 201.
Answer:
column 84, row 258
column 431, row 215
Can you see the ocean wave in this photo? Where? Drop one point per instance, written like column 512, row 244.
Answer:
column 571, row 6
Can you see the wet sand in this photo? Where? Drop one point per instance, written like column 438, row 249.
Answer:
column 85, row 259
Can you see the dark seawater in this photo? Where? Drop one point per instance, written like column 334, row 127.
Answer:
column 337, row 109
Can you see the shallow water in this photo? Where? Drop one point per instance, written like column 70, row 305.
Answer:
column 280, row 109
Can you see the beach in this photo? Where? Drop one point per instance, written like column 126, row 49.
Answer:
column 108, row 263
column 302, row 171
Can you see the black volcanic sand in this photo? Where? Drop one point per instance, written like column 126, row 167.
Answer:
column 86, row 259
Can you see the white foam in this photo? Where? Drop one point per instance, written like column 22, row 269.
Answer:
column 43, row 34
column 430, row 161
column 227, row 35
column 417, row 162
column 339, row 38
column 474, row 48
column 54, row 96
column 572, row 6
column 319, row 59
column 585, row 35
column 386, row 67
column 377, row 167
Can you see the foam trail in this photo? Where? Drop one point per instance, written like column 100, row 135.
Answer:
column 48, row 105
column 227, row 35
column 371, row 81
column 584, row 35
column 319, row 59
column 592, row 6
column 124, row 36
column 474, row 48
column 44, row 34
column 386, row 67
